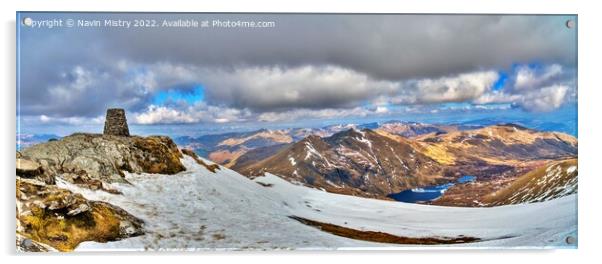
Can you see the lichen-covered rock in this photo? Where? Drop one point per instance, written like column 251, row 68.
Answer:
column 104, row 157
column 61, row 219
column 158, row 154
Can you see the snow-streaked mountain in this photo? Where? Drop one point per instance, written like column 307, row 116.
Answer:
column 363, row 163
column 555, row 179
column 413, row 129
column 227, row 148
column 197, row 209
column 376, row 163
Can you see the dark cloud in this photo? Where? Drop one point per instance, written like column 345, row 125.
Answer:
column 67, row 72
column 388, row 46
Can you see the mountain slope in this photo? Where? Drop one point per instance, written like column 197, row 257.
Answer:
column 501, row 144
column 552, row 181
column 413, row 129
column 353, row 162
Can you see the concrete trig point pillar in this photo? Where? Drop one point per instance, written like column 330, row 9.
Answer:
column 115, row 123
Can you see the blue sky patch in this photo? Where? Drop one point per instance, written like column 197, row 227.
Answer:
column 190, row 96
column 501, row 81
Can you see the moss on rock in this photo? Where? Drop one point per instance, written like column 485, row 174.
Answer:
column 62, row 219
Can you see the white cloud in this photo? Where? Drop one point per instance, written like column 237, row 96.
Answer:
column 381, row 110
column 328, row 113
column 266, row 89
column 44, row 118
column 462, row 87
column 538, row 89
column 531, row 78
column 544, row 99
column 312, row 87
column 199, row 112
column 162, row 115
column 73, row 120
column 222, row 120
column 277, row 93
column 75, row 83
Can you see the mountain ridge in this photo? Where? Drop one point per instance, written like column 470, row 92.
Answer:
column 346, row 162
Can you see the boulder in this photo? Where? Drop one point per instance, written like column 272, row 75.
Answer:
column 28, row 168
column 25, row 244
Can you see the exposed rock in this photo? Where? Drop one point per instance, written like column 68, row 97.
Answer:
column 116, row 123
column 82, row 179
column 28, row 168
column 47, row 214
column 95, row 158
column 62, row 219
column 25, row 244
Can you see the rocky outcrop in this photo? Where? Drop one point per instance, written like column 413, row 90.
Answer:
column 49, row 217
column 94, row 158
column 52, row 216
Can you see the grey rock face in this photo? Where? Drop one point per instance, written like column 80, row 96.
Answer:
column 116, row 123
column 86, row 158
column 25, row 244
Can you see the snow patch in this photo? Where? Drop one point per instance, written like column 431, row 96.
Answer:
column 571, row 169
column 311, row 151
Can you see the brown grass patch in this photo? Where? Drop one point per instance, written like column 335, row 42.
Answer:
column 439, row 154
column 381, row 237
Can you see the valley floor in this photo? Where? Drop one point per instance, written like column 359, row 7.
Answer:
column 200, row 210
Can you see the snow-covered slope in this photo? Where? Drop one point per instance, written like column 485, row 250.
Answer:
column 525, row 225
column 197, row 209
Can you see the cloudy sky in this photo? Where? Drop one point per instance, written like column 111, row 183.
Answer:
column 307, row 67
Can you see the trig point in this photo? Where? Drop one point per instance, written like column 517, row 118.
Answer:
column 115, row 123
